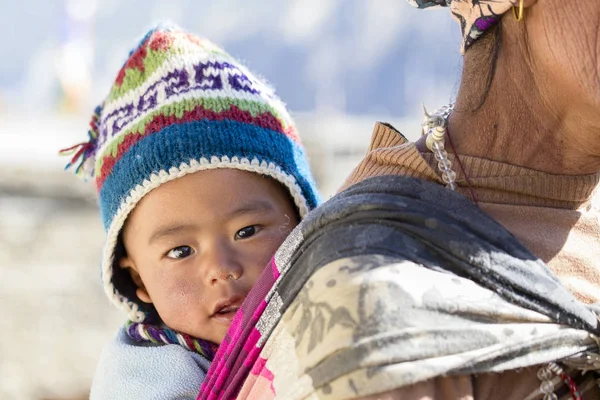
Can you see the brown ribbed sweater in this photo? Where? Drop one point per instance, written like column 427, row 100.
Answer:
column 553, row 215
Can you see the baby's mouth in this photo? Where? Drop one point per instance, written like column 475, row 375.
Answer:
column 225, row 309
column 228, row 310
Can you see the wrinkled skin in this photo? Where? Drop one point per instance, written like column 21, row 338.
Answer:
column 542, row 109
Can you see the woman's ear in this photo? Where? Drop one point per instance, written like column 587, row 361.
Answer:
column 141, row 291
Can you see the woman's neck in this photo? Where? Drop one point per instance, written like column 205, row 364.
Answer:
column 516, row 126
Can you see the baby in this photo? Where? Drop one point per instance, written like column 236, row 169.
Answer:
column 200, row 176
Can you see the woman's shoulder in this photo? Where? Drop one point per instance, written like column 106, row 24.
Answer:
column 128, row 369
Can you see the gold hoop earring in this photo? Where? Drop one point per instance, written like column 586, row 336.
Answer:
column 519, row 16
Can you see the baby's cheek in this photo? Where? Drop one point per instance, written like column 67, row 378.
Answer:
column 273, row 241
column 269, row 246
column 182, row 299
column 261, row 258
column 189, row 294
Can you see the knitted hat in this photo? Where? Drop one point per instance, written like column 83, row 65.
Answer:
column 181, row 105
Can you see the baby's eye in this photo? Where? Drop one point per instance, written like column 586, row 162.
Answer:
column 246, row 232
column 180, row 252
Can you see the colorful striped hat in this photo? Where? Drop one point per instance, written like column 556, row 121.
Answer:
column 180, row 105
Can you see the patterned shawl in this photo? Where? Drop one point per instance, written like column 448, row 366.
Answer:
column 474, row 16
column 392, row 282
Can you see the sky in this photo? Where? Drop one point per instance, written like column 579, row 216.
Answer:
column 355, row 57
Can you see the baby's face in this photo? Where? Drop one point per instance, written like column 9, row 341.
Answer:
column 197, row 245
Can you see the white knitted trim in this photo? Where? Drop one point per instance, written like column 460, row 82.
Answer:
column 157, row 179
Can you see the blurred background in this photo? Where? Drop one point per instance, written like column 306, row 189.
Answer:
column 339, row 65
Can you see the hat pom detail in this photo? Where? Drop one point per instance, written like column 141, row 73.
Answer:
column 84, row 154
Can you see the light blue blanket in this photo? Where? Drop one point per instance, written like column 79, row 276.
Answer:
column 139, row 371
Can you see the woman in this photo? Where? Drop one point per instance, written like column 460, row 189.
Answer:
column 526, row 128
column 398, row 288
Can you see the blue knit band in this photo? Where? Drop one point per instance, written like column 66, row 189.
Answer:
column 177, row 144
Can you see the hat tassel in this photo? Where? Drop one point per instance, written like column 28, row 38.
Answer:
column 83, row 154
